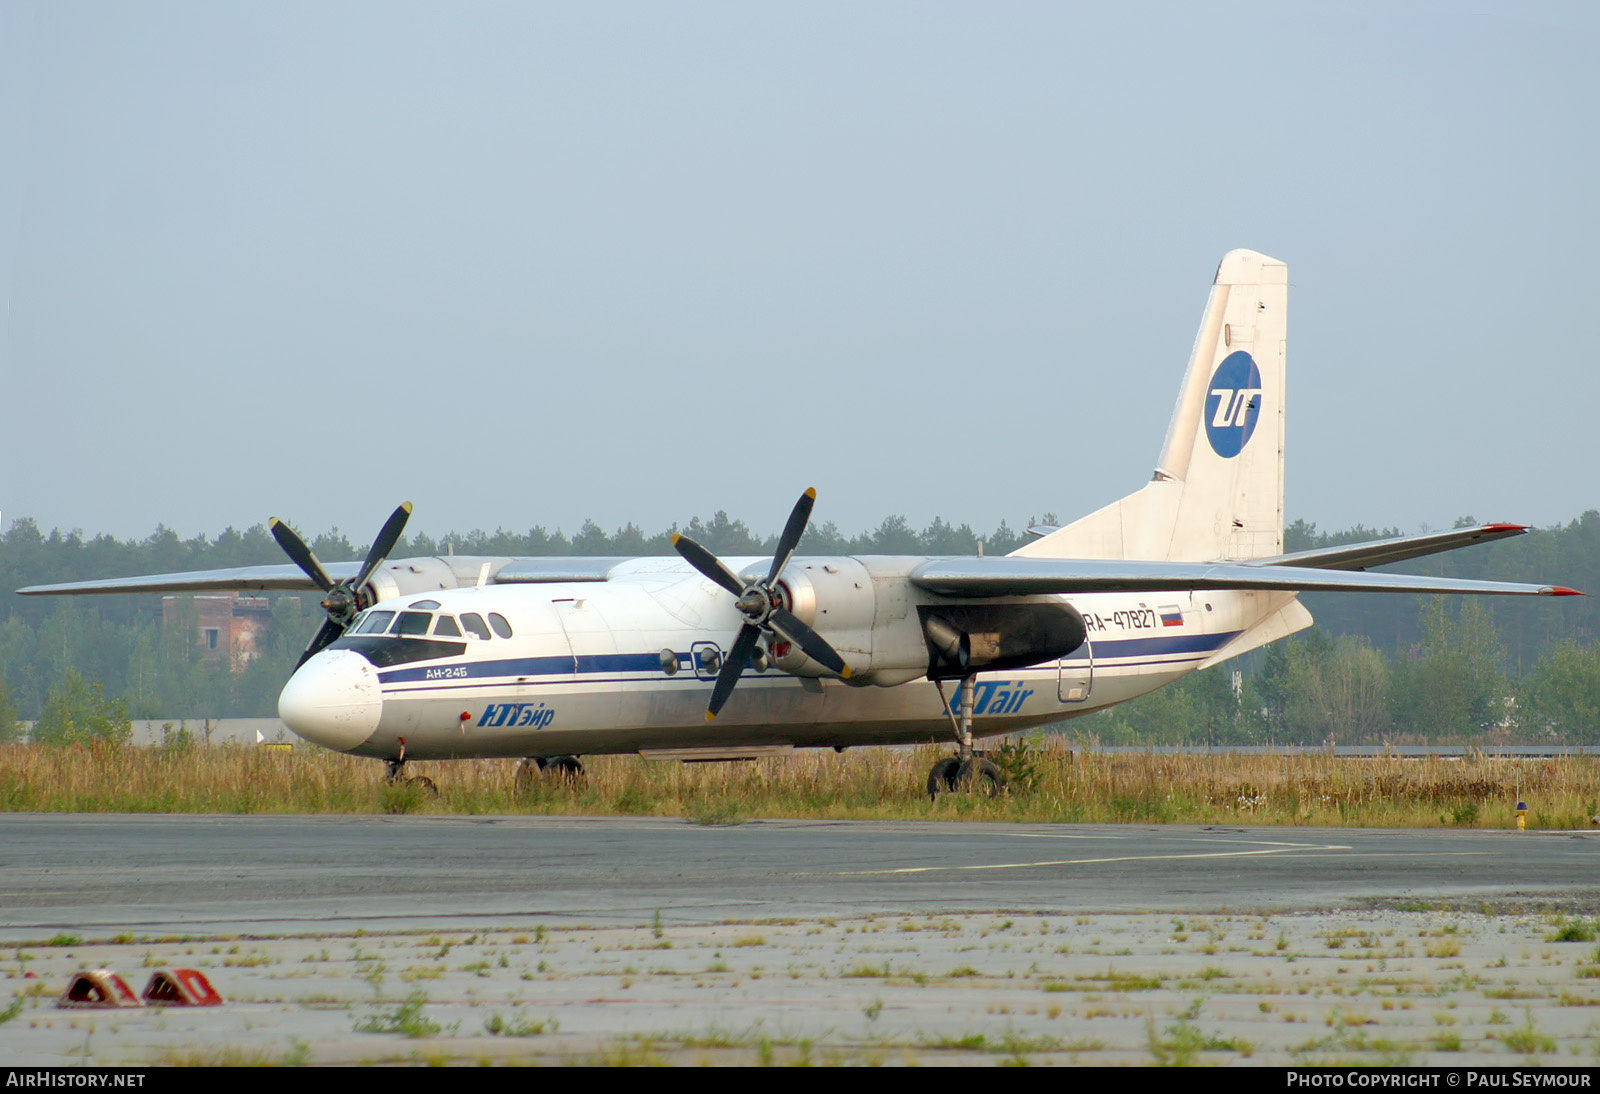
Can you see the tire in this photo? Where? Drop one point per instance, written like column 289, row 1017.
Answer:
column 563, row 767
column 425, row 784
column 943, row 776
column 526, row 776
column 980, row 776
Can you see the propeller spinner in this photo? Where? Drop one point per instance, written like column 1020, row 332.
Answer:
column 761, row 606
column 343, row 598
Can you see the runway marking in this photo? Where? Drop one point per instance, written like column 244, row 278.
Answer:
column 1186, row 839
column 1415, row 854
column 1290, row 849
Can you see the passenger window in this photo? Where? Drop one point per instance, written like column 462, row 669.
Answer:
column 475, row 625
column 446, row 627
column 377, row 623
column 411, row 624
column 498, row 622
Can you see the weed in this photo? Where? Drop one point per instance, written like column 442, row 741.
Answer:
column 1020, row 764
column 401, row 797
column 405, row 1019
column 1577, row 930
column 1180, row 1043
column 497, row 1026
column 1527, row 1040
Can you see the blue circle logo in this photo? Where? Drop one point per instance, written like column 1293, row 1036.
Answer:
column 1233, row 403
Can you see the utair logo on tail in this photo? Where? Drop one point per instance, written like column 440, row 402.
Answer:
column 1233, row 403
column 549, row 659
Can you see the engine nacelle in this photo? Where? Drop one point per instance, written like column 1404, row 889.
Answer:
column 965, row 638
column 834, row 597
column 407, row 577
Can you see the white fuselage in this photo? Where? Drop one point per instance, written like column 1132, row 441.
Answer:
column 627, row 665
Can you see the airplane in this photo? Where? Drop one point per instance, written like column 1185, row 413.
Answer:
column 699, row 658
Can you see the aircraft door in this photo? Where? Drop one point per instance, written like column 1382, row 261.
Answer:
column 595, row 697
column 1075, row 674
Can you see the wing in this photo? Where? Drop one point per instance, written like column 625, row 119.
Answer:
column 1381, row 552
column 199, row 581
column 1011, row 576
column 465, row 568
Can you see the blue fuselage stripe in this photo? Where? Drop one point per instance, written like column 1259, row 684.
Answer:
column 598, row 664
column 1106, row 649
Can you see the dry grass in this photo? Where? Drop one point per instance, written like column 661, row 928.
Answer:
column 1069, row 785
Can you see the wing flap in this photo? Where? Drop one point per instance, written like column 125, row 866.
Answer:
column 1015, row 576
column 536, row 570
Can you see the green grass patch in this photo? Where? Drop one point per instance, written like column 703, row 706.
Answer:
column 1058, row 781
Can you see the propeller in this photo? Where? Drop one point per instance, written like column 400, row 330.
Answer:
column 343, row 599
column 761, row 606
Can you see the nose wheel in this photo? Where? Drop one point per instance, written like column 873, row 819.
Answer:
column 966, row 771
column 547, row 768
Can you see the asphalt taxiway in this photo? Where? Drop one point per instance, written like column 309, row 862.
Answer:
column 158, row 873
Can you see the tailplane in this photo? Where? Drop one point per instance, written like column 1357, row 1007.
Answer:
column 1217, row 493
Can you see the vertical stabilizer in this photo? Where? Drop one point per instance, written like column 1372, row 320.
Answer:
column 1217, row 492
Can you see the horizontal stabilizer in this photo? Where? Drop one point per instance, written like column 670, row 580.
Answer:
column 1381, row 552
column 1014, row 576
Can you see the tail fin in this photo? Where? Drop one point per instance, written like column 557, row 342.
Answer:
column 1218, row 488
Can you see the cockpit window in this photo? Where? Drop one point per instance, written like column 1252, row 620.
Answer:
column 498, row 622
column 422, row 605
column 376, row 623
column 411, row 623
column 475, row 625
column 446, row 627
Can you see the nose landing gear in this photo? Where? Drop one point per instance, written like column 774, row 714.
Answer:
column 967, row 770
column 394, row 770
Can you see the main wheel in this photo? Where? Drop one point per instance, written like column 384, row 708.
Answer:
column 943, row 776
column 980, row 776
column 563, row 767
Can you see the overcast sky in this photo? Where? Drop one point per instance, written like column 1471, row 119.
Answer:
column 535, row 263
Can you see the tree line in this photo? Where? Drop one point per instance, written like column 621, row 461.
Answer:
column 1376, row 667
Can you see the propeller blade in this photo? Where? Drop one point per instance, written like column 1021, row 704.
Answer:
column 388, row 536
column 799, row 517
column 707, row 563
column 325, row 636
column 299, row 553
column 733, row 666
column 814, row 645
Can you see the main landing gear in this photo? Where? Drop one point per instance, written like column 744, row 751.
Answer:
column 394, row 771
column 967, row 770
column 562, row 768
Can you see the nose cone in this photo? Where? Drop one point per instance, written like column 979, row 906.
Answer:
column 333, row 700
